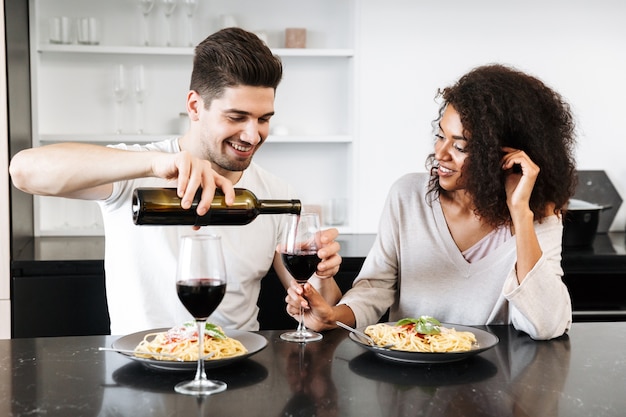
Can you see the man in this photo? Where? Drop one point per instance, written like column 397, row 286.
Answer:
column 230, row 104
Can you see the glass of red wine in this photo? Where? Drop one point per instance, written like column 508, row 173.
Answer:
column 201, row 285
column 299, row 246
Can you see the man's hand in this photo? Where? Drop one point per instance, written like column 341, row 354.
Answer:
column 192, row 173
column 329, row 254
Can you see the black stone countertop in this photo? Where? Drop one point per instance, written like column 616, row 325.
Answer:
column 580, row 374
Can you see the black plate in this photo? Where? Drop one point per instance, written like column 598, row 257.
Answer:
column 484, row 339
column 253, row 342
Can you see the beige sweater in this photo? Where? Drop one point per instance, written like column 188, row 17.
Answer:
column 415, row 268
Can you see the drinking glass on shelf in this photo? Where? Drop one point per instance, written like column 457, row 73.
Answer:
column 87, row 31
column 60, row 30
column 299, row 246
column 190, row 7
column 201, row 286
column 140, row 94
column 146, row 7
column 168, row 9
column 119, row 92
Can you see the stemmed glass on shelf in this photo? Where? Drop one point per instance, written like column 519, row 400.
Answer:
column 201, row 281
column 190, row 7
column 146, row 7
column 298, row 251
column 168, row 9
column 120, row 90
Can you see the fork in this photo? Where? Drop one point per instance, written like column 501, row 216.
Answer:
column 362, row 335
column 165, row 355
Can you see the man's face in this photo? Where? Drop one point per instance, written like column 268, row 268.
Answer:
column 234, row 127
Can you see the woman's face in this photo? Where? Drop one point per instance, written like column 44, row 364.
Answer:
column 450, row 150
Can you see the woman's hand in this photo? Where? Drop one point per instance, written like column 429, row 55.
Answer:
column 318, row 314
column 521, row 175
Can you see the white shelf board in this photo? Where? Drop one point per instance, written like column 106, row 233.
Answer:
column 112, row 138
column 158, row 50
column 70, row 231
column 309, row 139
column 129, row 138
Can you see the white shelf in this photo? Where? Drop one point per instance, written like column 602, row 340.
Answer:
column 112, row 138
column 310, row 139
column 128, row 138
column 72, row 99
column 168, row 51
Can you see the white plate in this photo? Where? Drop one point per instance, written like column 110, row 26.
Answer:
column 253, row 342
column 484, row 339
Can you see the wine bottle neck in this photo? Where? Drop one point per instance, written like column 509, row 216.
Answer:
column 279, row 206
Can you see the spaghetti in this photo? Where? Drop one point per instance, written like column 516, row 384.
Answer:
column 181, row 344
column 421, row 335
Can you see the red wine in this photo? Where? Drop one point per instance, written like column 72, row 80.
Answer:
column 201, row 296
column 161, row 206
column 301, row 266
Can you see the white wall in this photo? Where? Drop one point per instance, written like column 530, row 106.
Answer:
column 410, row 48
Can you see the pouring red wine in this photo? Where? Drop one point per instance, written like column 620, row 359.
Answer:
column 299, row 247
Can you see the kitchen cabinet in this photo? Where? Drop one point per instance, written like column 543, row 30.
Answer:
column 51, row 298
column 57, row 288
column 595, row 277
column 73, row 88
column 70, row 270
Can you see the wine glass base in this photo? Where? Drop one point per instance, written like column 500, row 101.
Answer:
column 301, row 337
column 200, row 387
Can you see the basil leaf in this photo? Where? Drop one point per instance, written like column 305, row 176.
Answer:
column 214, row 331
column 404, row 322
column 422, row 325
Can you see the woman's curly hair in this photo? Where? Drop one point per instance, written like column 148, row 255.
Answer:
column 500, row 106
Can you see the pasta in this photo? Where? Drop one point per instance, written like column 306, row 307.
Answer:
column 181, row 344
column 405, row 336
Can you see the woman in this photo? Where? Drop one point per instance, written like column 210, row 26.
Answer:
column 478, row 240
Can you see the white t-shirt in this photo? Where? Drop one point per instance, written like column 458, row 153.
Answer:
column 140, row 261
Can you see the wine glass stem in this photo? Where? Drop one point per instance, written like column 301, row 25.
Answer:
column 301, row 327
column 168, row 32
column 189, row 30
column 146, row 35
column 200, row 373
column 118, row 117
column 140, row 117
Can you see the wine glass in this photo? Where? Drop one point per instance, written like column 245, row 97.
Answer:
column 119, row 92
column 201, row 285
column 140, row 94
column 190, row 8
column 146, row 7
column 168, row 9
column 299, row 246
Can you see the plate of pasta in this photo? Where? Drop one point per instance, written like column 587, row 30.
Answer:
column 176, row 348
column 425, row 340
